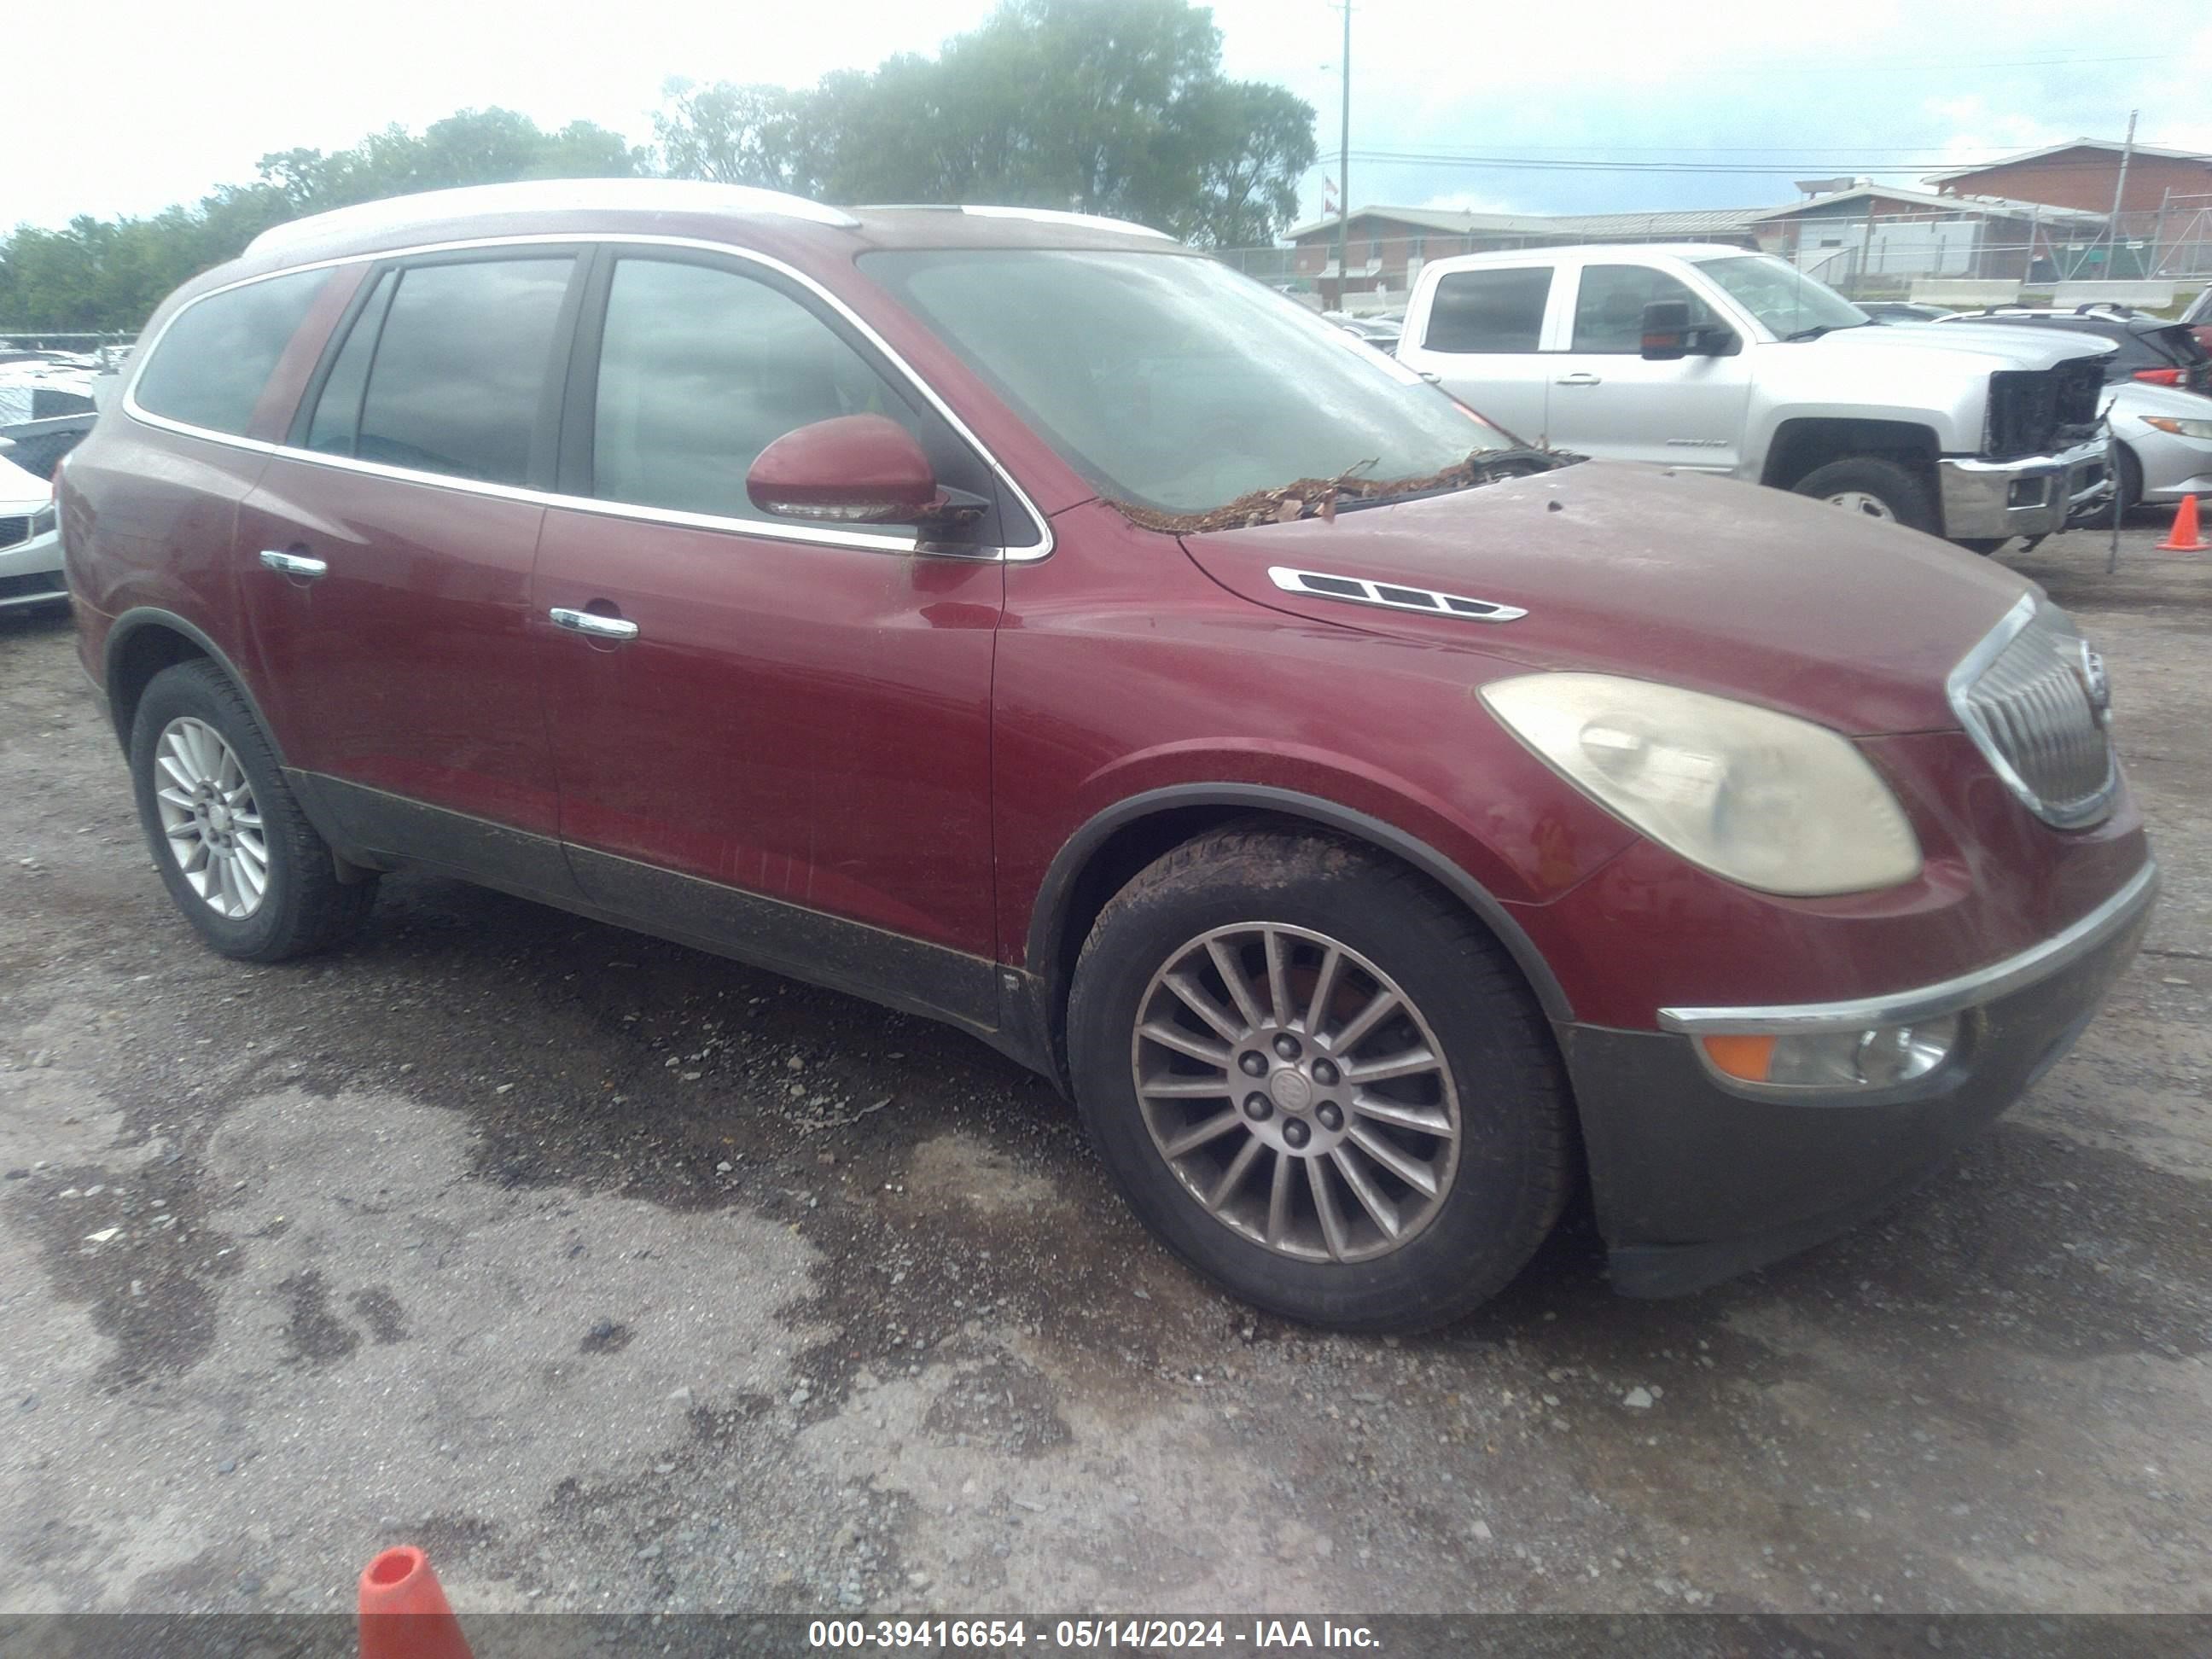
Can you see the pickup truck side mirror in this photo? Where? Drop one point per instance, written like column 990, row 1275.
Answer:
column 1669, row 334
column 1666, row 330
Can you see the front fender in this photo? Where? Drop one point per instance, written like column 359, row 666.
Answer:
column 1048, row 916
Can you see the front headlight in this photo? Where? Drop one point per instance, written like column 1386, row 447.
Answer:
column 1765, row 800
column 2180, row 428
column 44, row 519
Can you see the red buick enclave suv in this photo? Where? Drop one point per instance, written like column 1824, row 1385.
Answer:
column 1380, row 828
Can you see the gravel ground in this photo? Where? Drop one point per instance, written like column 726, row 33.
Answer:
column 621, row 1278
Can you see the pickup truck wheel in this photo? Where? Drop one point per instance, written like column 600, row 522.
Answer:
column 1875, row 488
column 236, row 852
column 1319, row 1082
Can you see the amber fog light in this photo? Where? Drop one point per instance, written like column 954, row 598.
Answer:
column 1877, row 1057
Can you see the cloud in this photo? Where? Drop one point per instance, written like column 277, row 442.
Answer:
column 162, row 110
column 1907, row 90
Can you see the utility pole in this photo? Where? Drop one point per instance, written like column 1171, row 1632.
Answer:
column 2120, row 193
column 1344, row 169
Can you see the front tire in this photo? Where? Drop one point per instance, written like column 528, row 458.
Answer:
column 2129, row 484
column 1319, row 1082
column 238, row 855
column 1874, row 488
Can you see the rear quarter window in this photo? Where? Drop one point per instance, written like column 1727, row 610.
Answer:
column 213, row 361
column 2179, row 342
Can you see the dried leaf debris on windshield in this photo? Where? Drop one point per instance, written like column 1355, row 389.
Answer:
column 1323, row 498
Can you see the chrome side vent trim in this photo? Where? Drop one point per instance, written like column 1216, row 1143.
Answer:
column 1390, row 596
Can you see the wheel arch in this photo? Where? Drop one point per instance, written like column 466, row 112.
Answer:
column 146, row 640
column 1806, row 443
column 1101, row 856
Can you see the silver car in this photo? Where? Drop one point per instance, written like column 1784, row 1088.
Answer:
column 2165, row 437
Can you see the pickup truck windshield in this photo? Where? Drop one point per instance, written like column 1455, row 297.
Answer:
column 1788, row 302
column 1170, row 382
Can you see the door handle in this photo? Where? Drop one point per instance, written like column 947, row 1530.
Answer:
column 294, row 564
column 1578, row 379
column 592, row 624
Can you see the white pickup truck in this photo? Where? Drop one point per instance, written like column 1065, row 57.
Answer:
column 1707, row 357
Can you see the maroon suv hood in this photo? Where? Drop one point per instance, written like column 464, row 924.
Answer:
column 1696, row 581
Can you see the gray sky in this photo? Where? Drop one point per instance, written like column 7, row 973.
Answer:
column 140, row 103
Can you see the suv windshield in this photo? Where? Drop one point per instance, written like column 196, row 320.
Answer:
column 1170, row 382
column 1784, row 298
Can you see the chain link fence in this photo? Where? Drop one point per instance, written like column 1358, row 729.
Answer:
column 1977, row 254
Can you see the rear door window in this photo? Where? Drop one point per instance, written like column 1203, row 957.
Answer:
column 213, row 361
column 446, row 369
column 1489, row 311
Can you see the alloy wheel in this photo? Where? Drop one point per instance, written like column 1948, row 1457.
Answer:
column 209, row 821
column 1297, row 1092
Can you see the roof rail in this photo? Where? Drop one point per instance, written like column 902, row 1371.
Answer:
column 1040, row 216
column 544, row 195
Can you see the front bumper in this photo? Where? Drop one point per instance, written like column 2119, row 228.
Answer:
column 1696, row 1181
column 31, row 572
column 2033, row 495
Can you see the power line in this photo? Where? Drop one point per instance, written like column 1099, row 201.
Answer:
column 1553, row 164
column 1899, row 66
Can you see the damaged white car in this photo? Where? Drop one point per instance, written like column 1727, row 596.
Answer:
column 30, row 540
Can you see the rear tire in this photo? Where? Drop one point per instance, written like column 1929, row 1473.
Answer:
column 1411, row 1199
column 1875, row 488
column 238, row 855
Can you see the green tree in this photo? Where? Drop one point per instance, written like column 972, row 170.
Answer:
column 110, row 274
column 1113, row 107
column 735, row 135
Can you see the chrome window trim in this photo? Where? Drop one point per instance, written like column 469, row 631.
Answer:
column 1292, row 580
column 1960, row 682
column 767, row 529
column 1950, row 996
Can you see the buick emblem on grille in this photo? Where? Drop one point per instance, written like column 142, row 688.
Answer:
column 2095, row 682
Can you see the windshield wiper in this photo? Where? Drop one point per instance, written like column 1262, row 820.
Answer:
column 1818, row 328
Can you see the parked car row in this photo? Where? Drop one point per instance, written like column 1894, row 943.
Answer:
column 1380, row 332
column 1383, row 830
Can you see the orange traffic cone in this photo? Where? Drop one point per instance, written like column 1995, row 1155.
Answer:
column 403, row 1613
column 2183, row 537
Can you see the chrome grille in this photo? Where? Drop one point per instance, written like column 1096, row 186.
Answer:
column 2031, row 697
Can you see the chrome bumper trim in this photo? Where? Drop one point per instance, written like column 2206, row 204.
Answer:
column 1949, row 996
column 1976, row 494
